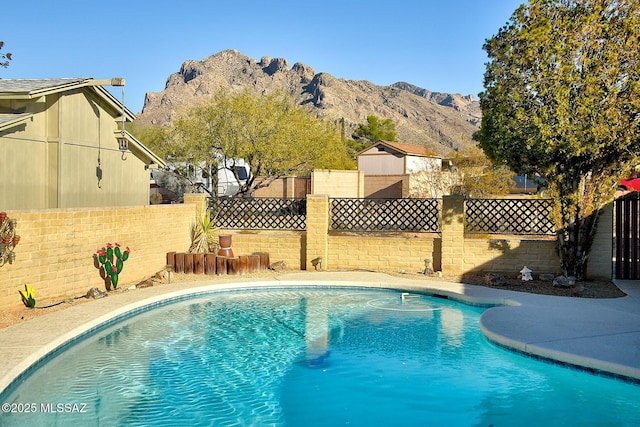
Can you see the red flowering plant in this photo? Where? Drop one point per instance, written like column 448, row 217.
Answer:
column 112, row 260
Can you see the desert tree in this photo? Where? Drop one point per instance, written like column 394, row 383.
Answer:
column 562, row 101
column 373, row 131
column 474, row 175
column 469, row 173
column 275, row 136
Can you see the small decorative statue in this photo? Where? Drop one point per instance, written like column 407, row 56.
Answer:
column 526, row 274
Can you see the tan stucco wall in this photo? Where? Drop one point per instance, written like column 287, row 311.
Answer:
column 55, row 253
column 338, row 183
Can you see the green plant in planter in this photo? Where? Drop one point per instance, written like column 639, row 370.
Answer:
column 28, row 296
column 112, row 259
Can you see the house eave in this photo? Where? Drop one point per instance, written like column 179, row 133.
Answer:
column 8, row 121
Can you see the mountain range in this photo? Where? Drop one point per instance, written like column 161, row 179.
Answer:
column 441, row 122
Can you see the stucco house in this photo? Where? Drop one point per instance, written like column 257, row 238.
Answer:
column 393, row 170
column 394, row 158
column 63, row 145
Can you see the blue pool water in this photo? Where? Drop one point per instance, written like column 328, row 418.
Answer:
column 309, row 357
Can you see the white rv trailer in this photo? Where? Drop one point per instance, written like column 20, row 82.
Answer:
column 169, row 185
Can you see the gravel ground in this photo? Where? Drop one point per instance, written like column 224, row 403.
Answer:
column 586, row 289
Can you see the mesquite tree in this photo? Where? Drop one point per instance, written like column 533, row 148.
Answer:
column 270, row 132
column 562, row 101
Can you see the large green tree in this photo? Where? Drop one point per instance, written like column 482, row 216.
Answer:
column 562, row 101
column 476, row 176
column 375, row 130
column 270, row 132
column 366, row 134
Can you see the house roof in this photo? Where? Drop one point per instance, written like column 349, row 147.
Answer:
column 36, row 88
column 406, row 149
column 31, row 88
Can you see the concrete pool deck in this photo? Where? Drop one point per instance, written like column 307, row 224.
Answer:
column 602, row 335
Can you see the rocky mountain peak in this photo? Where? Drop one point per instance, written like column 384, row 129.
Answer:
column 438, row 121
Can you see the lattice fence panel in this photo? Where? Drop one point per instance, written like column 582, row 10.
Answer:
column 385, row 215
column 260, row 213
column 509, row 216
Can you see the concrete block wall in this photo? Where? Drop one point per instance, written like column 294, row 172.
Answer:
column 510, row 255
column 55, row 253
column 453, row 252
column 287, row 187
column 384, row 252
column 464, row 254
column 287, row 246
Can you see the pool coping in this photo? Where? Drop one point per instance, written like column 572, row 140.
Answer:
column 516, row 321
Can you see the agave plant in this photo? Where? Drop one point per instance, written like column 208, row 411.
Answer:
column 28, row 296
column 202, row 234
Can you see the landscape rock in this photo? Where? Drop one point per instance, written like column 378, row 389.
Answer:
column 145, row 284
column 96, row 293
column 162, row 276
column 278, row 266
column 561, row 282
column 548, row 277
column 495, row 279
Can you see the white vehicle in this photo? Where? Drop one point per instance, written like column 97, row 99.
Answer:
column 172, row 182
column 231, row 178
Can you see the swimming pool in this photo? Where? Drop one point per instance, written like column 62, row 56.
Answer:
column 309, row 356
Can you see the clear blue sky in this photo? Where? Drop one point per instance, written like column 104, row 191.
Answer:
column 433, row 44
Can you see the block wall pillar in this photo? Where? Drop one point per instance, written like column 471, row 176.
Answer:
column 317, row 232
column 198, row 199
column 452, row 228
column 600, row 265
